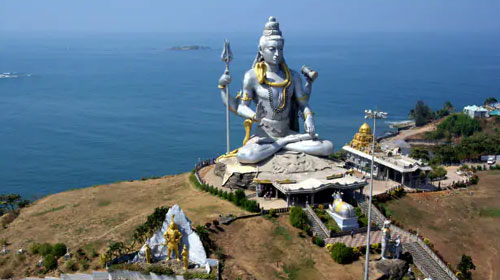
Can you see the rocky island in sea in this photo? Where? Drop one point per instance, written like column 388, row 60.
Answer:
column 188, row 48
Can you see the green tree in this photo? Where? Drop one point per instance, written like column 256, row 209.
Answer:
column 464, row 266
column 298, row 218
column 419, row 153
column 438, row 172
column 239, row 197
column 9, row 201
column 342, row 254
column 490, row 100
column 59, row 250
column 49, row 262
column 445, row 111
column 422, row 114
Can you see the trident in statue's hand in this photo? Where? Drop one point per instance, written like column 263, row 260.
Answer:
column 224, row 82
column 226, row 57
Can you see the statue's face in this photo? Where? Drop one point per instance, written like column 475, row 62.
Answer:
column 272, row 51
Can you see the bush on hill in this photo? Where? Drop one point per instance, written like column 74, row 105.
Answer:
column 238, row 198
column 49, row 262
column 298, row 218
column 59, row 250
column 319, row 241
column 455, row 125
column 469, row 148
column 341, row 253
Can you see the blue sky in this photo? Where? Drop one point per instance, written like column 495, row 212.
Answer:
column 245, row 16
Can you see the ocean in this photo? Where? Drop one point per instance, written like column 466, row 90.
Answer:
column 87, row 109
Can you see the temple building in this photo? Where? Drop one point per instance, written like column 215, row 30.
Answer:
column 389, row 164
column 363, row 139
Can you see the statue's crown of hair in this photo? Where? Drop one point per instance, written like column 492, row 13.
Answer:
column 272, row 28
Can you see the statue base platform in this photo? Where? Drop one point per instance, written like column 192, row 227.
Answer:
column 344, row 223
column 291, row 173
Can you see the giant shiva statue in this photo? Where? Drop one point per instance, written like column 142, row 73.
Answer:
column 279, row 98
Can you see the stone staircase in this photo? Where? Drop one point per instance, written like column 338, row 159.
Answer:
column 377, row 217
column 425, row 262
column 423, row 257
column 317, row 226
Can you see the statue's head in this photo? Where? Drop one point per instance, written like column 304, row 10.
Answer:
column 271, row 43
column 172, row 224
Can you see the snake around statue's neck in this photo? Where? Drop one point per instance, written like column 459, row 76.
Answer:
column 260, row 71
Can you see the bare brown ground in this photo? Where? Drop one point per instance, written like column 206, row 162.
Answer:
column 258, row 248
column 452, row 221
column 93, row 216
column 416, row 132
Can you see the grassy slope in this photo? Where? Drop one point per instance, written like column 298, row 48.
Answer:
column 91, row 217
column 458, row 223
column 259, row 248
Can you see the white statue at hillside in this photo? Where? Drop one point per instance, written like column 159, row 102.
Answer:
column 343, row 213
column 157, row 243
column 391, row 248
column 279, row 98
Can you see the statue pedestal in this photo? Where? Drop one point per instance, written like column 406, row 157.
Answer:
column 344, row 223
column 294, row 177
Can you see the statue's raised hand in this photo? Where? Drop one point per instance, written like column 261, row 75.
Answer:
column 309, row 126
column 224, row 80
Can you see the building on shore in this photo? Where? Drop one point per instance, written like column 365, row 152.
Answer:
column 388, row 164
column 476, row 111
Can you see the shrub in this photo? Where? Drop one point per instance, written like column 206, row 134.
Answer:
column 464, row 267
column 49, row 262
column 272, row 212
column 6, row 274
column 45, row 249
column 319, row 241
column 357, row 252
column 474, row 180
column 239, row 195
column 298, row 217
column 342, row 254
column 251, row 205
column 375, row 247
column 59, row 250
column 71, row 265
column 84, row 265
column 35, row 248
column 308, row 230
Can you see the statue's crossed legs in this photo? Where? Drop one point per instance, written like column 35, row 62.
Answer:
column 260, row 148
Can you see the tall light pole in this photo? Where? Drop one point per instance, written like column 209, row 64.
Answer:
column 369, row 114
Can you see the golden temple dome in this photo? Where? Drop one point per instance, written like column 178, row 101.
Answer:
column 365, row 129
column 363, row 139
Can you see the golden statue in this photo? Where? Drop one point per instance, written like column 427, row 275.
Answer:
column 148, row 253
column 185, row 257
column 172, row 239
